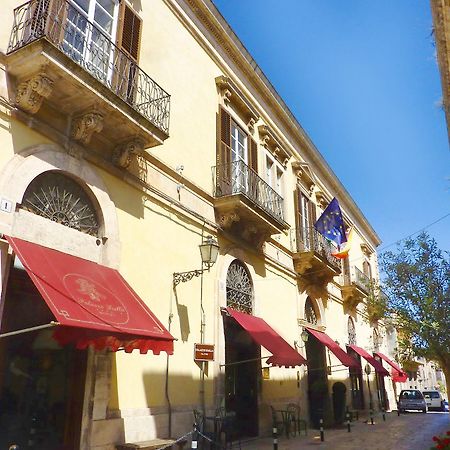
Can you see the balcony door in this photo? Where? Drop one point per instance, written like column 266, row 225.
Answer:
column 306, row 216
column 89, row 35
column 239, row 159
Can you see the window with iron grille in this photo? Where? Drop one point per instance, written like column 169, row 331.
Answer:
column 351, row 331
column 61, row 199
column 310, row 312
column 239, row 288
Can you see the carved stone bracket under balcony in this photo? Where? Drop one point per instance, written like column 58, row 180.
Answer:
column 352, row 296
column 31, row 93
column 84, row 126
column 237, row 222
column 315, row 274
column 322, row 199
column 124, row 152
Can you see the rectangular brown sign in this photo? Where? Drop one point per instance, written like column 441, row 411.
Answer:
column 203, row 352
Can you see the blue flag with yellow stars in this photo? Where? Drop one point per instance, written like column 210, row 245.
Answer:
column 331, row 225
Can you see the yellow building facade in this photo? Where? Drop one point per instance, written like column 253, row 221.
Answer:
column 131, row 132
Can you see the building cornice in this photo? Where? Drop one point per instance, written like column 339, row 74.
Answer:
column 441, row 20
column 214, row 28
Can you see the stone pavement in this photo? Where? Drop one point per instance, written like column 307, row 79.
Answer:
column 411, row 431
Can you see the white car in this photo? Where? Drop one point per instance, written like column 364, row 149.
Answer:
column 434, row 400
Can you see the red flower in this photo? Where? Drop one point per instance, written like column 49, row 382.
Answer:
column 440, row 447
column 448, row 433
column 435, row 439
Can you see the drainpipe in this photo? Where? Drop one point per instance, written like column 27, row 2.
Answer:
column 169, row 405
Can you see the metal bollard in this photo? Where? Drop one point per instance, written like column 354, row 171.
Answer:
column 194, row 437
column 322, row 437
column 384, row 415
column 348, row 422
column 275, row 438
column 371, row 417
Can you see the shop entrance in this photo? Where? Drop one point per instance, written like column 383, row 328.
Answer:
column 356, row 381
column 318, row 396
column 41, row 384
column 242, row 366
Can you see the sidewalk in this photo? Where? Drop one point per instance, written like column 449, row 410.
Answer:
column 412, row 431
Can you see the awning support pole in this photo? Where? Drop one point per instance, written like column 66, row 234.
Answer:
column 27, row 330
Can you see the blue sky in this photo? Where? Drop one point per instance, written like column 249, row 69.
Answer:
column 362, row 79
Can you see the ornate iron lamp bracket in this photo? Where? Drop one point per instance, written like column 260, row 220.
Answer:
column 182, row 277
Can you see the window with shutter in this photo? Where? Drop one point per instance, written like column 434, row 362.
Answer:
column 130, row 35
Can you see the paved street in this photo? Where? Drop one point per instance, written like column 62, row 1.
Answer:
column 411, row 431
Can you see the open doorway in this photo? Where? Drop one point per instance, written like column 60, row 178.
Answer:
column 41, row 384
column 242, row 359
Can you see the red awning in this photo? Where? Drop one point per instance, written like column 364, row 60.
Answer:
column 343, row 357
column 371, row 360
column 282, row 353
column 93, row 304
column 397, row 373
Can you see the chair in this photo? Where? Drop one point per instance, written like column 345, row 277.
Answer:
column 298, row 422
column 227, row 426
column 277, row 423
column 208, row 436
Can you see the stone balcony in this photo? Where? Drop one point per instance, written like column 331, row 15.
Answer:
column 355, row 287
column 75, row 79
column 313, row 260
column 245, row 204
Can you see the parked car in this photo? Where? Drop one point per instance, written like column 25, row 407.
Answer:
column 434, row 400
column 411, row 399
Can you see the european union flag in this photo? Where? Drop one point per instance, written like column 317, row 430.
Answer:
column 331, row 225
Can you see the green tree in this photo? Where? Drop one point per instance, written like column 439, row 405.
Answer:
column 417, row 283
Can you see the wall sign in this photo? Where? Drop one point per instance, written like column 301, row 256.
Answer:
column 203, row 352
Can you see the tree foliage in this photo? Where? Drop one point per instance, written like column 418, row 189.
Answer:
column 417, row 283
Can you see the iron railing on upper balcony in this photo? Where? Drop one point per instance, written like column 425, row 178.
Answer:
column 68, row 29
column 356, row 276
column 238, row 178
column 310, row 240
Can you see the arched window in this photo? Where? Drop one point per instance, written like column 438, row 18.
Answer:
column 351, row 331
column 310, row 312
column 367, row 270
column 61, row 199
column 239, row 288
column 377, row 340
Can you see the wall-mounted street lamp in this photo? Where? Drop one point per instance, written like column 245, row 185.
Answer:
column 209, row 250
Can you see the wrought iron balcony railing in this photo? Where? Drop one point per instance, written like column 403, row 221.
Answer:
column 310, row 240
column 238, row 178
column 357, row 277
column 68, row 29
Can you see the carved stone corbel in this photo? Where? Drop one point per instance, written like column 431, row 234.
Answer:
column 251, row 125
column 31, row 93
column 84, row 126
column 123, row 153
column 322, row 199
column 366, row 249
column 226, row 220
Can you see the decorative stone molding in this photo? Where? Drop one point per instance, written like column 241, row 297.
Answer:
column 230, row 93
column 123, row 153
column 31, row 93
column 304, row 174
column 251, row 125
column 366, row 249
column 272, row 143
column 322, row 199
column 84, row 126
column 226, row 220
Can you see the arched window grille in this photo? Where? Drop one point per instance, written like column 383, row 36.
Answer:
column 377, row 340
column 239, row 288
column 310, row 312
column 61, row 199
column 351, row 331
